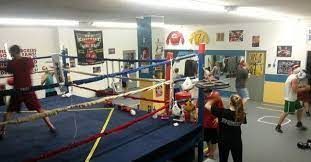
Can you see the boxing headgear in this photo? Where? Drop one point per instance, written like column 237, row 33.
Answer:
column 301, row 74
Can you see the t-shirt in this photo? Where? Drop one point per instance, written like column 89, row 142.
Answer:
column 216, row 71
column 209, row 117
column 290, row 95
column 49, row 81
column 21, row 70
column 241, row 77
column 229, row 129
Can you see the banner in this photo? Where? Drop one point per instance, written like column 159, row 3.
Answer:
column 27, row 52
column 89, row 47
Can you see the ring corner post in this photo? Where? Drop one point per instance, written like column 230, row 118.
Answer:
column 201, row 56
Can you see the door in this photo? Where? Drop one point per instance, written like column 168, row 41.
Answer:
column 255, row 84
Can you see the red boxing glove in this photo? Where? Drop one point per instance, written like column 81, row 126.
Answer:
column 10, row 81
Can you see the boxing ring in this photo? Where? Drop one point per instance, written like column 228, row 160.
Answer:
column 149, row 140
column 92, row 131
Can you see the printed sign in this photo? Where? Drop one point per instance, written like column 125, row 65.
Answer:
column 89, row 47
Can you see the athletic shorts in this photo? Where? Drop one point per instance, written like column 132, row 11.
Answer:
column 292, row 106
column 50, row 94
column 29, row 99
column 211, row 135
column 243, row 93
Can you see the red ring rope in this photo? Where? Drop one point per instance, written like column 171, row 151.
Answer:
column 132, row 97
column 91, row 138
column 145, row 99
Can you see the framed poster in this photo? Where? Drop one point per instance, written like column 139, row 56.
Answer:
column 255, row 41
column 236, row 36
column 256, row 62
column 72, row 62
column 89, row 47
column 111, row 51
column 220, row 37
column 96, row 69
column 284, row 66
column 284, row 51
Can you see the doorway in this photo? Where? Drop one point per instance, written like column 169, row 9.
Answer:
column 256, row 62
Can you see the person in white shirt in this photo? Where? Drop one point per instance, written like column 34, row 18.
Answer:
column 291, row 101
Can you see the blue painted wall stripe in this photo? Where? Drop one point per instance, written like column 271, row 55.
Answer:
column 275, row 78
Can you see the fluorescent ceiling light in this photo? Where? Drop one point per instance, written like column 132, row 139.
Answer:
column 37, row 22
column 106, row 24
column 260, row 13
column 197, row 5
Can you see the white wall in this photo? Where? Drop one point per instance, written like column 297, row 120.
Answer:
column 271, row 35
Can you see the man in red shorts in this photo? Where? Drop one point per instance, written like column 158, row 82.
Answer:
column 21, row 68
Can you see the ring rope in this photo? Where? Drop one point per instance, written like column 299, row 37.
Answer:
column 10, row 75
column 35, row 58
column 132, row 97
column 119, row 60
column 78, row 106
column 77, row 82
column 135, row 79
column 93, row 137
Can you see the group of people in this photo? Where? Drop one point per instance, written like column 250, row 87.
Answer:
column 223, row 126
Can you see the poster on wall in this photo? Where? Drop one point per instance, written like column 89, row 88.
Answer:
column 220, row 37
column 159, row 91
column 255, row 41
column 236, row 36
column 284, row 66
column 96, row 69
column 145, row 56
column 89, row 47
column 256, row 62
column 72, row 62
column 159, row 49
column 175, row 38
column 198, row 37
column 284, row 51
column 25, row 52
column 111, row 51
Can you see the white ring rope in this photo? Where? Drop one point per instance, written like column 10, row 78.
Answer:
column 56, row 111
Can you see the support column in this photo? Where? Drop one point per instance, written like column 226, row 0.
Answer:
column 200, row 100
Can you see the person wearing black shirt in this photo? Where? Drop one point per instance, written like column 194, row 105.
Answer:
column 230, row 121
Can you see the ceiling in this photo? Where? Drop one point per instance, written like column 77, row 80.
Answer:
column 119, row 10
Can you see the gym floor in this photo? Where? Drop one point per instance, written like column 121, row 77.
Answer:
column 261, row 143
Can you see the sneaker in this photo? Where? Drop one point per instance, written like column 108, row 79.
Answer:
column 2, row 135
column 278, row 129
column 303, row 146
column 300, row 126
column 308, row 114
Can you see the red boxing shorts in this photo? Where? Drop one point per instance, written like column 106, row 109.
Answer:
column 30, row 100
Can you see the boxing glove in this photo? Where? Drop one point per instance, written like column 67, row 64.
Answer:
column 10, row 81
